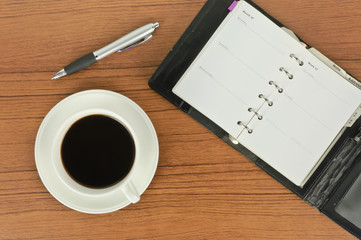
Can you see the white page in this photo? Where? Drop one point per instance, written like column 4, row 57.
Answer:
column 236, row 65
column 306, row 117
column 230, row 73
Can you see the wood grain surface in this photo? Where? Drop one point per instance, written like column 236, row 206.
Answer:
column 203, row 189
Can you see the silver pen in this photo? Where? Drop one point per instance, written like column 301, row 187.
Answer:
column 126, row 42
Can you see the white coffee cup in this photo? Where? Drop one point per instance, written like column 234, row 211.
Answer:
column 53, row 130
column 126, row 184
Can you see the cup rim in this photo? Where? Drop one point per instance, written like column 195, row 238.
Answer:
column 63, row 173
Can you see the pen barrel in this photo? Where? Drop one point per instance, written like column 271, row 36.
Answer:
column 80, row 64
column 125, row 41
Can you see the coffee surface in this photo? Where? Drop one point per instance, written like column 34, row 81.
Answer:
column 98, row 151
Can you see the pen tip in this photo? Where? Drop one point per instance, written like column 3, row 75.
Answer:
column 59, row 74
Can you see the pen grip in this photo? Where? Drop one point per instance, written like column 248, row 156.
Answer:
column 80, row 64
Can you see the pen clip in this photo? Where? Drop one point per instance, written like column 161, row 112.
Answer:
column 136, row 44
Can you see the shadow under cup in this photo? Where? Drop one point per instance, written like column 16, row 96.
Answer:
column 97, row 151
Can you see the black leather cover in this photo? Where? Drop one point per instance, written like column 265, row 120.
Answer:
column 180, row 58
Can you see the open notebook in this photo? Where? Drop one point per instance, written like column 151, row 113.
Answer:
column 267, row 91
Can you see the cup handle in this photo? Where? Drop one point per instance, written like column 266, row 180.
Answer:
column 131, row 192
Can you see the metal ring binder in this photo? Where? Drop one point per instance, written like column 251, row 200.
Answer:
column 259, row 116
column 289, row 75
column 280, row 90
column 245, row 126
column 270, row 103
column 300, row 62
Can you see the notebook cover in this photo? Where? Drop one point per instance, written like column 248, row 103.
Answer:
column 180, row 58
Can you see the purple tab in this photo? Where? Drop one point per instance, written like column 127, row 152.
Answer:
column 232, row 6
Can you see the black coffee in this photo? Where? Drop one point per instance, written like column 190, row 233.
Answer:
column 98, row 151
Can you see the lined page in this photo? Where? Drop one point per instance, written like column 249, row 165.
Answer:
column 237, row 65
column 226, row 78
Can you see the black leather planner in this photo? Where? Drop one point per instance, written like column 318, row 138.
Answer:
column 191, row 78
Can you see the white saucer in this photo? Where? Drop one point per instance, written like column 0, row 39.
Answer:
column 108, row 101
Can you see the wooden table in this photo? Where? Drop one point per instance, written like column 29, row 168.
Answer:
column 203, row 189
